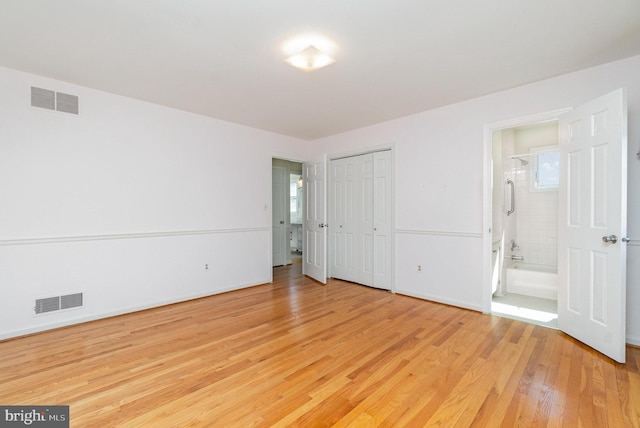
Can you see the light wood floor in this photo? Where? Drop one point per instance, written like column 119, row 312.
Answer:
column 296, row 353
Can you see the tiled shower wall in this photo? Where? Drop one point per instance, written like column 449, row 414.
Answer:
column 536, row 221
column 536, row 214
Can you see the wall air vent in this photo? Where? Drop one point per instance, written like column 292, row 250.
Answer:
column 49, row 304
column 66, row 103
column 71, row 301
column 43, row 98
column 51, row 100
column 58, row 303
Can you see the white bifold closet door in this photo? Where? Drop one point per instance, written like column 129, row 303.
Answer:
column 360, row 219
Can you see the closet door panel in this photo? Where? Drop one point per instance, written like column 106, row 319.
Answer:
column 382, row 220
column 342, row 227
column 365, row 224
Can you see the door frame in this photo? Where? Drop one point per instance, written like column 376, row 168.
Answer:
column 487, row 198
column 283, row 206
column 268, row 205
column 340, row 155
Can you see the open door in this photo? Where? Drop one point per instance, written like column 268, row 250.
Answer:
column 315, row 220
column 592, row 222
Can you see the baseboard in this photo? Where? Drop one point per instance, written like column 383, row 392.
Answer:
column 633, row 341
column 437, row 299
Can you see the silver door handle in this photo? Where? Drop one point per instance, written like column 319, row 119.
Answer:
column 626, row 239
column 323, row 225
column 611, row 238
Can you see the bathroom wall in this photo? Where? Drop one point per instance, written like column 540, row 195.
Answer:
column 498, row 187
column 509, row 171
column 295, row 216
column 497, row 223
column 533, row 225
column 536, row 214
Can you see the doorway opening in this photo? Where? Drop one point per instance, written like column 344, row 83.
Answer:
column 524, row 222
column 295, row 215
column 287, row 214
column 591, row 201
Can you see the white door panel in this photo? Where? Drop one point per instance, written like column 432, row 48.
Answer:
column 365, row 219
column 315, row 219
column 592, row 205
column 342, row 225
column 382, row 223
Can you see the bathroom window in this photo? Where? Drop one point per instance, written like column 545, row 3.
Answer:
column 545, row 168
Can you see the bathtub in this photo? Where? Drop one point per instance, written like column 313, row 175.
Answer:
column 532, row 280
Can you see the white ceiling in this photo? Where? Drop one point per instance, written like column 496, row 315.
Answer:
column 224, row 59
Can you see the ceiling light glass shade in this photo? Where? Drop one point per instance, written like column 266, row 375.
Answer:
column 310, row 59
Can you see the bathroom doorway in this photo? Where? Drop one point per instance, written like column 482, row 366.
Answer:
column 287, row 206
column 590, row 221
column 524, row 264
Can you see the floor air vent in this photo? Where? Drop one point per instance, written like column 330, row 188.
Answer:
column 58, row 303
column 51, row 100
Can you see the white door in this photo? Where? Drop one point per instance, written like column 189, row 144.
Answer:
column 351, row 213
column 365, row 220
column 278, row 204
column 315, row 221
column 592, row 209
column 342, row 234
column 360, row 219
column 382, row 209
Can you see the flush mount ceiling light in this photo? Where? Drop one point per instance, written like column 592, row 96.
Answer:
column 309, row 51
column 310, row 59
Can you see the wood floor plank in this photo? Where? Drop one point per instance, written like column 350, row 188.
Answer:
column 296, row 353
column 558, row 380
column 631, row 408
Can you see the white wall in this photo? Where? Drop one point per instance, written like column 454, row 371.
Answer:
column 439, row 181
column 126, row 202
